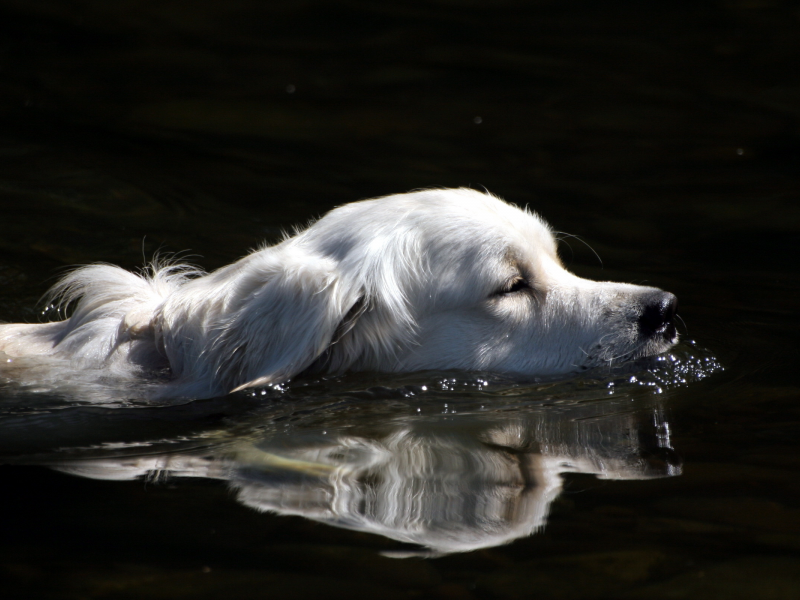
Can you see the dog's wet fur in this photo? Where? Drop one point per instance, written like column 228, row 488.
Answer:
column 434, row 279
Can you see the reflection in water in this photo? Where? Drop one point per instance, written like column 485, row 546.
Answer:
column 450, row 484
column 448, row 461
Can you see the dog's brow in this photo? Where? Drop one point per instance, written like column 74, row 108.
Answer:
column 515, row 262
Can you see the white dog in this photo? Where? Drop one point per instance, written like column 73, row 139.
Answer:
column 435, row 279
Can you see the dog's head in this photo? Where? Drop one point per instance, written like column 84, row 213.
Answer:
column 436, row 279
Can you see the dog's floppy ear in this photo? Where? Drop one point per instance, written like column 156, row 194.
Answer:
column 285, row 312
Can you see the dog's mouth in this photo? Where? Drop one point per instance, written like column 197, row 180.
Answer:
column 664, row 337
column 670, row 333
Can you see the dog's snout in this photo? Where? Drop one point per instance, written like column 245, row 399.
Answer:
column 658, row 315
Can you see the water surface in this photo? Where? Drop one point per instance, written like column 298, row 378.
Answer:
column 666, row 137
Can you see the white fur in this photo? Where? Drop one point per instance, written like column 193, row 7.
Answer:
column 402, row 283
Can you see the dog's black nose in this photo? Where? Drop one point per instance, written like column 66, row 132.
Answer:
column 658, row 315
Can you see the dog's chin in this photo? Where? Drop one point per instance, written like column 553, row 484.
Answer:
column 656, row 345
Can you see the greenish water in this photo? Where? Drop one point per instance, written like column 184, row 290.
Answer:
column 667, row 137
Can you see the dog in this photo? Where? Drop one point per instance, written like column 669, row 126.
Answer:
column 433, row 279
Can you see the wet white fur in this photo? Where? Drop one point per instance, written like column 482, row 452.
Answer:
column 402, row 283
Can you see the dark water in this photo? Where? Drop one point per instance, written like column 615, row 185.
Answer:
column 666, row 136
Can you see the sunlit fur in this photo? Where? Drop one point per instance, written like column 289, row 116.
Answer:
column 403, row 283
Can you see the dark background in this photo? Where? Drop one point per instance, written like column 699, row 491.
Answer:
column 667, row 135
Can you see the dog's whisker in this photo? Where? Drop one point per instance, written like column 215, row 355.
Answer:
column 561, row 236
column 685, row 327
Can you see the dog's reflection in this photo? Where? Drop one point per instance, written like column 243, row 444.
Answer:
column 448, row 485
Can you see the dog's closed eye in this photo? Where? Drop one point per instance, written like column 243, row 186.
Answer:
column 515, row 284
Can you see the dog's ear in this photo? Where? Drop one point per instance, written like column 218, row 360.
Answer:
column 284, row 315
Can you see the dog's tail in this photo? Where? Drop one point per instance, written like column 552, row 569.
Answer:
column 108, row 305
